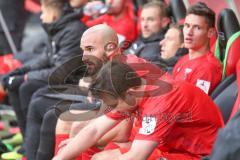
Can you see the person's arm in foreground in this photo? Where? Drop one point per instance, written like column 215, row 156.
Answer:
column 86, row 138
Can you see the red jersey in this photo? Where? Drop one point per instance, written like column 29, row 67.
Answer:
column 124, row 26
column 205, row 72
column 182, row 121
column 146, row 70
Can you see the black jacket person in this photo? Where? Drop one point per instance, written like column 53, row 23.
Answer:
column 64, row 39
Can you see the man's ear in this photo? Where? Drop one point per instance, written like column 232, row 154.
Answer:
column 165, row 21
column 211, row 32
column 110, row 48
column 130, row 97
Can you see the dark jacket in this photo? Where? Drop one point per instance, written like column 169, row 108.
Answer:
column 64, row 40
column 148, row 48
column 13, row 13
column 15, row 16
column 168, row 64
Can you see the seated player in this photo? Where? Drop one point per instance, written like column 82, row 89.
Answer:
column 200, row 67
column 154, row 24
column 175, row 120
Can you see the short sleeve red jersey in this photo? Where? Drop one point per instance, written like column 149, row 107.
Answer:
column 205, row 72
column 183, row 120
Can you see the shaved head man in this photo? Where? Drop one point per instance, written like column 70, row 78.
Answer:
column 96, row 49
column 99, row 45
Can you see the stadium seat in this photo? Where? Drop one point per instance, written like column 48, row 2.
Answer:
column 226, row 82
column 237, row 103
column 177, row 10
column 228, row 43
column 229, row 100
column 225, row 100
column 139, row 3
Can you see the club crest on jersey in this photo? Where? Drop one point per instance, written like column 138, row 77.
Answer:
column 148, row 125
column 186, row 72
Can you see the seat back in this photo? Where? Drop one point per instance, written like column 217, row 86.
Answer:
column 222, row 85
column 226, row 99
column 177, row 10
column 232, row 54
column 237, row 103
column 228, row 42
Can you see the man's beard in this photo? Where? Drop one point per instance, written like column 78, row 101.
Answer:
column 94, row 65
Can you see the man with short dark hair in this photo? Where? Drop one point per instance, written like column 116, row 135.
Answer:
column 200, row 67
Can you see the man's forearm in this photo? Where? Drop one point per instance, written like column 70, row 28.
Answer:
column 81, row 142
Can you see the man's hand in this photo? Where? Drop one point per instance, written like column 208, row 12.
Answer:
column 12, row 82
column 84, row 83
column 64, row 143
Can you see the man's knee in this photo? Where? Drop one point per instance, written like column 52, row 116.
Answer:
column 40, row 92
column 50, row 116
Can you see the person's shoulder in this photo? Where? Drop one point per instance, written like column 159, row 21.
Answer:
column 76, row 25
column 213, row 59
column 74, row 29
column 212, row 62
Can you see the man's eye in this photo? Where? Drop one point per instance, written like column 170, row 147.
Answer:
column 197, row 27
column 89, row 49
column 186, row 25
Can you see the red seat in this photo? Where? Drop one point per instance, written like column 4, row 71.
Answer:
column 233, row 57
column 33, row 6
column 228, row 43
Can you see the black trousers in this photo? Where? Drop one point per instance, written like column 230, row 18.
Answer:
column 38, row 108
column 20, row 97
column 41, row 123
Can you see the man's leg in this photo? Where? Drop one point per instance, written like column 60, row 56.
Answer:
column 38, row 106
column 47, row 136
column 26, row 91
column 15, row 102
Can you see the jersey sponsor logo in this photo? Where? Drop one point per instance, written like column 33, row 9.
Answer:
column 148, row 125
column 203, row 85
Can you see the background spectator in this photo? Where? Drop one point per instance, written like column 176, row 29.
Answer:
column 64, row 30
column 154, row 24
column 120, row 16
column 172, row 47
